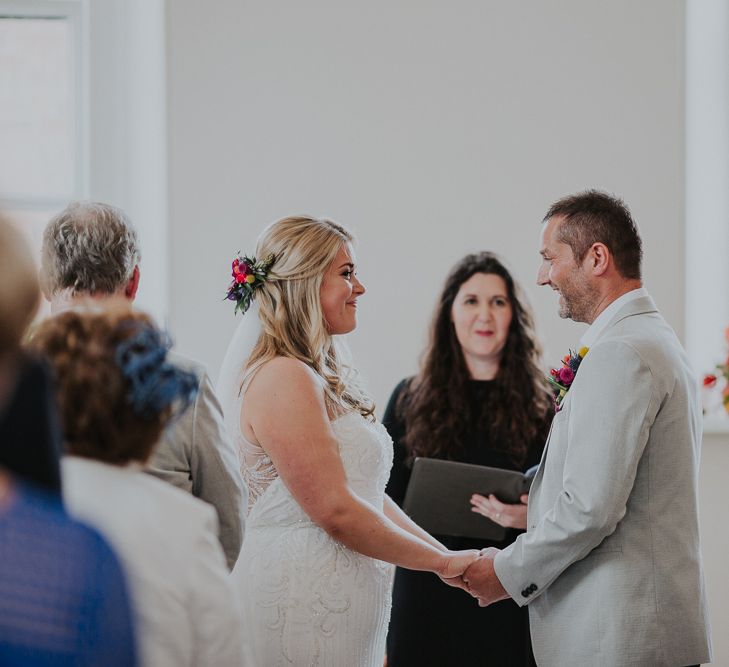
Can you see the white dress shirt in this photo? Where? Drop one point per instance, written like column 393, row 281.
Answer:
column 185, row 610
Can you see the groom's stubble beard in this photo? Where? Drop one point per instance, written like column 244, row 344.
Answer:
column 578, row 299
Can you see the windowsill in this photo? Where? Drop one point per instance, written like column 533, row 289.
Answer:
column 716, row 425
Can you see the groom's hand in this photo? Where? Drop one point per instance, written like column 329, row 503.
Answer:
column 457, row 563
column 456, row 582
column 482, row 581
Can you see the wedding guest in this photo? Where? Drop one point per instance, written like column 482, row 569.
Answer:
column 30, row 442
column 64, row 600
column 117, row 392
column 29, row 433
column 480, row 397
column 314, row 574
column 610, row 565
column 91, row 259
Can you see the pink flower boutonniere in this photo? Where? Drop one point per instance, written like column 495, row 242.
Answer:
column 561, row 379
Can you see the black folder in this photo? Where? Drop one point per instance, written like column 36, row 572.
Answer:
column 439, row 493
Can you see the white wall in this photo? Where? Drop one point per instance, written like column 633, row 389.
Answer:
column 127, row 129
column 431, row 129
column 707, row 180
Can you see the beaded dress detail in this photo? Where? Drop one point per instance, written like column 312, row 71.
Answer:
column 306, row 598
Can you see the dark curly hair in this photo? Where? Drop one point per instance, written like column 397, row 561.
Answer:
column 98, row 396
column 435, row 405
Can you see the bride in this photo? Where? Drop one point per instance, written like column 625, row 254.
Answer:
column 314, row 573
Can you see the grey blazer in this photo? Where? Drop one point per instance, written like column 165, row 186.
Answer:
column 611, row 564
column 196, row 455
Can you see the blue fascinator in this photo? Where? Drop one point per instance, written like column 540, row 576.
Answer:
column 154, row 383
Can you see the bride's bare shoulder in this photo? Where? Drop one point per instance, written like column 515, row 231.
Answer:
column 285, row 374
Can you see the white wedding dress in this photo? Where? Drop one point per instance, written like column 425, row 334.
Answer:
column 307, row 599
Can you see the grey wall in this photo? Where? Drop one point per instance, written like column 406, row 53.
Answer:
column 429, row 128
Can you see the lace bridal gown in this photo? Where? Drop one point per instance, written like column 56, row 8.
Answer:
column 307, row 599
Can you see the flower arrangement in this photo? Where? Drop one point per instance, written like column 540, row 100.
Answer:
column 561, row 379
column 249, row 274
column 711, row 380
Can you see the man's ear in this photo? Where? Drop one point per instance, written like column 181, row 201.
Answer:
column 130, row 291
column 599, row 259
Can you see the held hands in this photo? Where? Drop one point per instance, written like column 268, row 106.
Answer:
column 473, row 571
column 481, row 580
column 456, row 563
column 508, row 516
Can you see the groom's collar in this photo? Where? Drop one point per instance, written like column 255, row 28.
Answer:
column 603, row 320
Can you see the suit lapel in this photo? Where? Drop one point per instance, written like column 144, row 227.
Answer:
column 639, row 306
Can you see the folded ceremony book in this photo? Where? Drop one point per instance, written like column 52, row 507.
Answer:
column 438, row 497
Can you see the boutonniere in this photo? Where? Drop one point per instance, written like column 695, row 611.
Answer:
column 561, row 379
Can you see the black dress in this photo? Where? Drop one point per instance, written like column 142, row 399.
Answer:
column 434, row 624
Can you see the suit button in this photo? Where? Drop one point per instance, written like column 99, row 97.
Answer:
column 532, row 588
column 525, row 593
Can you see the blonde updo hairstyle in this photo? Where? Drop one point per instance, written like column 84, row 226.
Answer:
column 292, row 320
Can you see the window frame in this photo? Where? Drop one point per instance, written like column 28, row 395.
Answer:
column 76, row 13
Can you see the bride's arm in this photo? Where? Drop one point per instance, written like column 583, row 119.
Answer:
column 398, row 517
column 284, row 408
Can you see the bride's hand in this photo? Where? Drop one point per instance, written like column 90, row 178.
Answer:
column 455, row 564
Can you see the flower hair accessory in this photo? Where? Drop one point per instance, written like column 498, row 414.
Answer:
column 154, row 383
column 249, row 274
column 561, row 379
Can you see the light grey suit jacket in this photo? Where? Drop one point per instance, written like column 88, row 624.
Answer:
column 610, row 565
column 196, row 455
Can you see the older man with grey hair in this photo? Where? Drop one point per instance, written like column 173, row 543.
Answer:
column 91, row 259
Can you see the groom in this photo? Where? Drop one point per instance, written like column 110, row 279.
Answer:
column 610, row 565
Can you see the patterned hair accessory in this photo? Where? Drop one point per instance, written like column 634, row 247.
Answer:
column 155, row 383
column 249, row 274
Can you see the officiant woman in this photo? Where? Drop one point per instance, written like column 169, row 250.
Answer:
column 480, row 397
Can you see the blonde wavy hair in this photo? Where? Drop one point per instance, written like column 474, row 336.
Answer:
column 292, row 320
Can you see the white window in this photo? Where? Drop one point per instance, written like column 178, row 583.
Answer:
column 43, row 162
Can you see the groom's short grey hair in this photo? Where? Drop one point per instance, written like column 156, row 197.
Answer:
column 89, row 247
